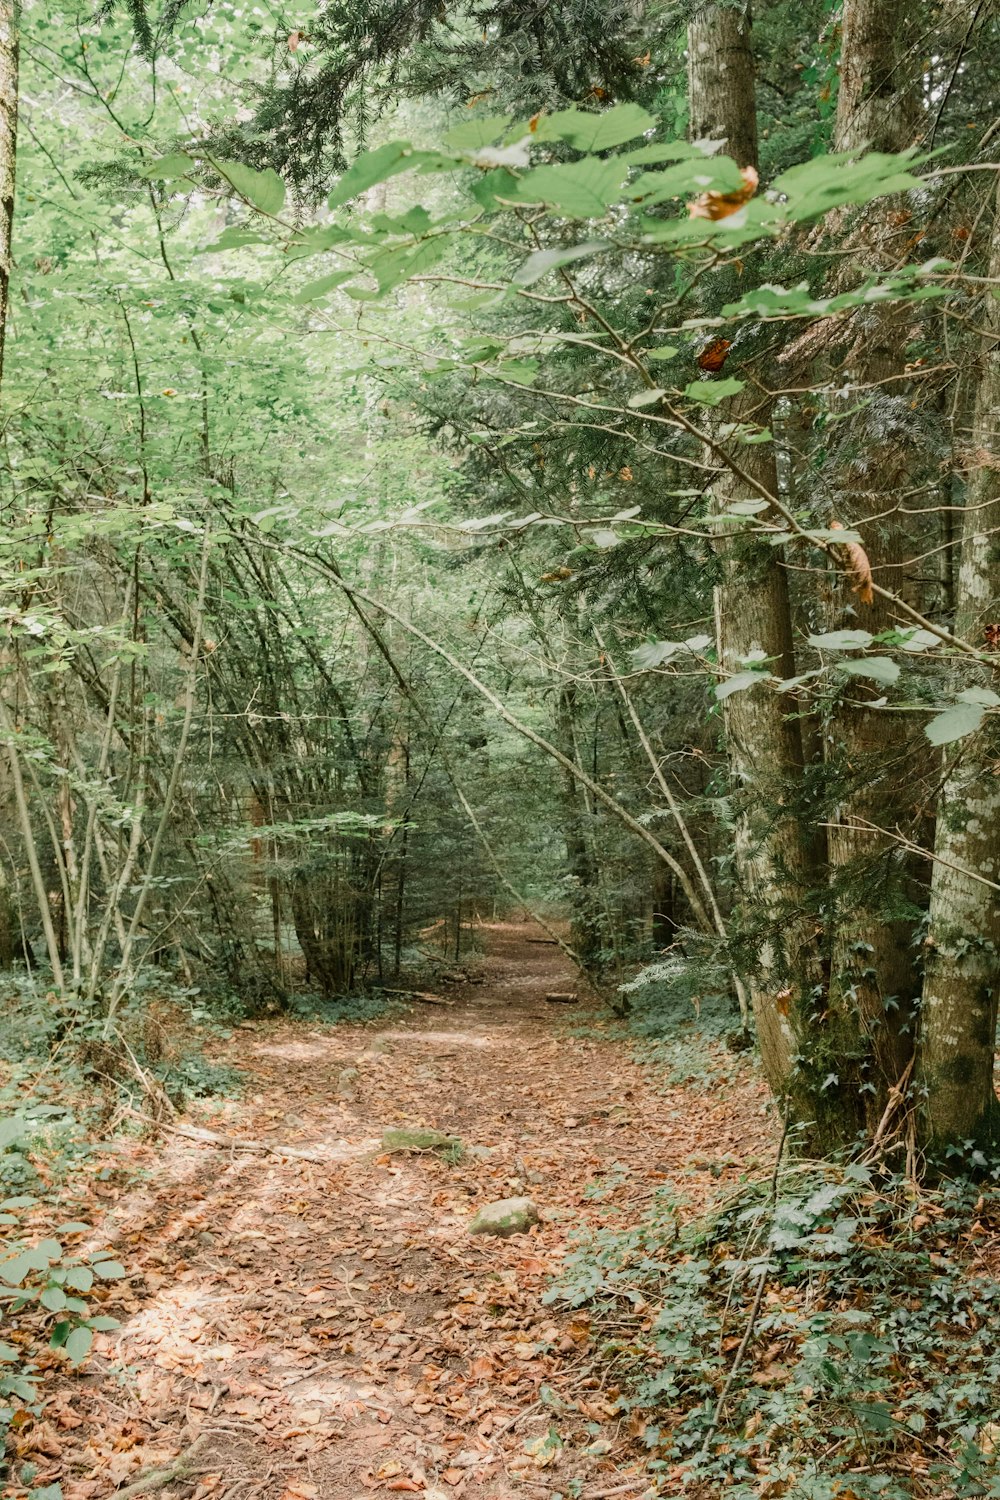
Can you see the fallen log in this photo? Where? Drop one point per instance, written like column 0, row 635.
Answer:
column 561, row 997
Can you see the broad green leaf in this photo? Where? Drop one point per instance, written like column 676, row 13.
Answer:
column 738, row 683
column 473, row 133
column 78, row 1344
column 984, row 696
column 662, row 351
column 262, row 190
column 372, row 167
column 74, row 1226
column 11, row 1130
column 588, row 131
column 168, row 168
column 109, row 1270
column 954, row 724
column 658, row 151
column 841, row 640
column 720, row 175
column 234, row 238
column 603, row 537
column 315, row 289
column 713, row 392
column 647, row 398
column 579, row 189
column 881, row 669
column 80, row 1278
column 103, row 1324
column 53, row 1298
column 542, row 261
column 814, row 187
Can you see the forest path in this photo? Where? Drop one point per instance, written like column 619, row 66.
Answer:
column 323, row 1324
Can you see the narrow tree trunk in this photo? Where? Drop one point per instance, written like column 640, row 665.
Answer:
column 874, row 759
column 962, row 970
column 753, row 616
column 9, row 17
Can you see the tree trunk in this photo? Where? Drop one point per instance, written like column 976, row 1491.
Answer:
column 874, row 759
column 962, row 971
column 753, row 616
column 9, row 17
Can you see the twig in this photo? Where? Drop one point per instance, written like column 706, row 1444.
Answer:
column 157, row 1479
column 617, row 1489
column 231, row 1143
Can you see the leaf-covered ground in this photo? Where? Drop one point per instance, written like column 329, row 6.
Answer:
column 311, row 1317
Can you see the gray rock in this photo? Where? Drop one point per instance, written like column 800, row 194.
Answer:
column 508, row 1216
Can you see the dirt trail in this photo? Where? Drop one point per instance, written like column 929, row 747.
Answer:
column 324, row 1323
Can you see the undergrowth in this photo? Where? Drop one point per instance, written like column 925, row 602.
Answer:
column 841, row 1339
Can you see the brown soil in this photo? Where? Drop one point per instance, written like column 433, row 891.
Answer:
column 322, row 1323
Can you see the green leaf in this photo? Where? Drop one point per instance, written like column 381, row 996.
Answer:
column 262, row 190
column 54, row 1298
column 11, row 1129
column 954, row 724
column 537, row 265
column 721, row 175
column 474, row 133
column 109, row 1270
column 713, row 392
column 881, row 669
column 597, row 132
column 372, row 167
column 814, row 187
column 647, row 398
column 80, row 1278
column 662, row 351
column 74, row 1226
column 168, row 168
column 325, row 284
column 78, row 1344
column 103, row 1324
column 579, row 189
column 738, row 683
column 841, row 640
column 984, row 696
column 234, row 238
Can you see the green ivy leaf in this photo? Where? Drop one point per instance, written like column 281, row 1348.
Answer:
column 841, row 640
column 738, row 683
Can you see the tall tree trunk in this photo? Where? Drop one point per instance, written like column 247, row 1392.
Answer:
column 753, row 616
column 9, row 17
column 874, row 759
column 962, row 970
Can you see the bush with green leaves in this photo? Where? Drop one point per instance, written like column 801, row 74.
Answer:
column 873, row 1356
column 44, row 1286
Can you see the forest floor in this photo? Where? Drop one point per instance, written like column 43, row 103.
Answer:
column 307, row 1315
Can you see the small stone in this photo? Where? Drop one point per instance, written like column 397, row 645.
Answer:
column 508, row 1216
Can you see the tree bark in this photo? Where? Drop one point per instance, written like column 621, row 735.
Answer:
column 874, row 759
column 752, row 615
column 721, row 80
column 9, row 17
column 962, row 970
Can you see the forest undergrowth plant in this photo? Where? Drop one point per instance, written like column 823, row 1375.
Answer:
column 839, row 1338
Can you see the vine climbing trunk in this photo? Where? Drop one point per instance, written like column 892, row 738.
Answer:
column 959, row 1008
